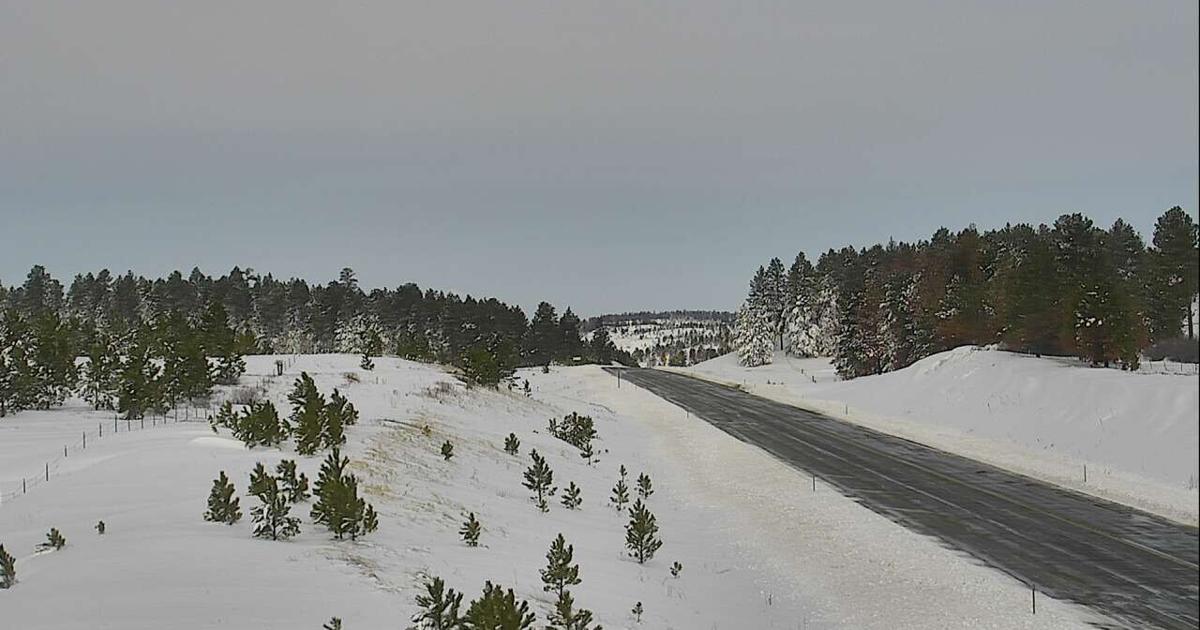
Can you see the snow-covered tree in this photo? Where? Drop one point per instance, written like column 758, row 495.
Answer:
column 272, row 517
column 620, row 492
column 812, row 323
column 8, row 569
column 753, row 337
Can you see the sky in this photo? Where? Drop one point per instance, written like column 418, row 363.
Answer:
column 608, row 156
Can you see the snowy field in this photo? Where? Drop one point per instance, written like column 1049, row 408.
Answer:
column 758, row 547
column 1136, row 433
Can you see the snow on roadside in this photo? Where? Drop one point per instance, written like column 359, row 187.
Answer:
column 160, row 565
column 1136, row 433
column 853, row 568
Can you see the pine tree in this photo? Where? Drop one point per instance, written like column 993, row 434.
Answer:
column 620, row 492
column 439, row 607
column 271, row 517
column 100, row 374
column 498, row 609
column 220, row 343
column 294, row 486
column 641, row 533
column 8, row 569
column 308, row 415
column 334, row 623
column 137, row 389
column 676, row 569
column 1174, row 275
column 222, row 505
column 343, row 408
column 587, row 453
column 571, row 498
column 540, row 479
column 54, row 540
column 637, row 612
column 470, row 530
column 560, row 572
column 566, row 617
column 447, row 450
column 101, row 528
column 512, row 445
column 644, row 487
column 262, row 426
column 338, row 505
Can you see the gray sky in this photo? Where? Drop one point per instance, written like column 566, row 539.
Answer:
column 607, row 155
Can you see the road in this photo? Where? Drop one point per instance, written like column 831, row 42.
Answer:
column 1138, row 569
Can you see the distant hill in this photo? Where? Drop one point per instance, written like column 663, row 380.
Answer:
column 677, row 338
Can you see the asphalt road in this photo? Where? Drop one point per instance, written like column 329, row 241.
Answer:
column 1138, row 569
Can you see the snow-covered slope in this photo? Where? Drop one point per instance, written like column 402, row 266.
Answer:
column 1135, row 432
column 759, row 549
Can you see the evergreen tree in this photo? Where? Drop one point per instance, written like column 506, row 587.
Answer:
column 540, row 479
column 560, row 572
column 294, row 486
column 334, row 623
column 641, row 533
column 222, row 505
column 512, row 445
column 221, row 344
column 470, row 531
column 637, row 612
column 587, row 453
column 498, row 609
column 1174, row 278
column 343, row 408
column 308, row 415
column 54, row 540
column 566, row 617
column 572, row 498
column 338, row 505
column 439, row 607
column 753, row 337
column 101, row 528
column 447, row 450
column 676, row 569
column 644, row 487
column 620, row 492
column 8, row 569
column 100, row 374
column 272, row 516
column 138, row 391
column 542, row 343
column 262, row 426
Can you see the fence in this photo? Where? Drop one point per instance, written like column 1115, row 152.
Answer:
column 1169, row 367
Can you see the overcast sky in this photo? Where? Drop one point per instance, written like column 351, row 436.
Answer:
column 609, row 155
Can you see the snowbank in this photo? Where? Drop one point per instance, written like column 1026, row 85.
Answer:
column 1136, row 433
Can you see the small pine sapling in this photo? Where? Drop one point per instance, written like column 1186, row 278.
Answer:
column 587, row 453
column 54, row 540
column 101, row 528
column 271, row 518
column 644, row 487
column 572, row 498
column 295, row 486
column 8, row 569
column 676, row 569
column 637, row 611
column 366, row 363
column 498, row 609
column 447, row 450
column 539, row 478
column 439, row 607
column 512, row 445
column 641, row 533
column 620, row 492
column 223, row 507
column 560, row 572
column 338, row 505
column 528, row 391
column 566, row 617
column 334, row 623
column 470, row 530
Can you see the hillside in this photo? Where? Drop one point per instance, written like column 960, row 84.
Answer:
column 677, row 338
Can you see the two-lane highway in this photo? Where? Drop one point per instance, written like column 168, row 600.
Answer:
column 1138, row 569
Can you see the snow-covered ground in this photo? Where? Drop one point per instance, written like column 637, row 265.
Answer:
column 1136, row 433
column 759, row 548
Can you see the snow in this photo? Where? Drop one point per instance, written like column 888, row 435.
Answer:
column 758, row 547
column 1044, row 417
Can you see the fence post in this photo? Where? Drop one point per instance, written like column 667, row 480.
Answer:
column 47, row 471
column 1033, row 598
column 85, row 440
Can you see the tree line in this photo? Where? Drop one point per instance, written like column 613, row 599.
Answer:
column 1069, row 289
column 152, row 343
